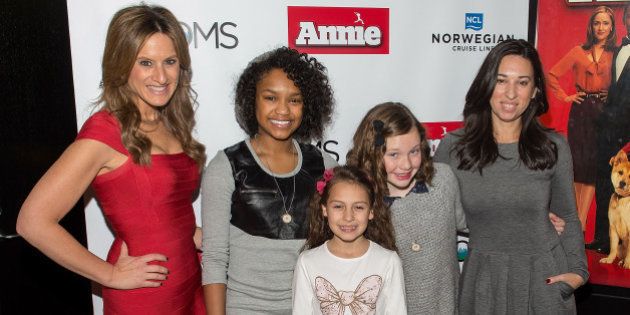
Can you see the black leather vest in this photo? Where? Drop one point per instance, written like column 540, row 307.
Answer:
column 257, row 207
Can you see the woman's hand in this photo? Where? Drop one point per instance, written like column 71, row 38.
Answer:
column 197, row 238
column 575, row 98
column 131, row 272
column 572, row 279
column 557, row 222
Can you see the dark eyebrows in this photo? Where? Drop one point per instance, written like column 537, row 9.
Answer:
column 520, row 77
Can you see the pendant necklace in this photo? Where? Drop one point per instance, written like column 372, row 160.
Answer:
column 286, row 217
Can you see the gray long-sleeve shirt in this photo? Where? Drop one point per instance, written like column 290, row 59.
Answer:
column 257, row 271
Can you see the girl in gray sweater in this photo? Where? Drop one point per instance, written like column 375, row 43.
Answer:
column 391, row 145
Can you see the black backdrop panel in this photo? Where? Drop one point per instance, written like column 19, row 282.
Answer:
column 37, row 122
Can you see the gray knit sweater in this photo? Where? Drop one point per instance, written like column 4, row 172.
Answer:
column 430, row 220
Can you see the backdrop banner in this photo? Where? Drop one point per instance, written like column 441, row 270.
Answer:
column 423, row 54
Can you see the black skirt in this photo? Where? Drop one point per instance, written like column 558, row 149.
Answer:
column 582, row 138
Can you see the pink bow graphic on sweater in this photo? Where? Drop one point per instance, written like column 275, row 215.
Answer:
column 361, row 302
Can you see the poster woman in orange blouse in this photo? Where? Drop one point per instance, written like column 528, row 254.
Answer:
column 590, row 64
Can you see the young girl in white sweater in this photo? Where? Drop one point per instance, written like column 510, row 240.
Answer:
column 351, row 266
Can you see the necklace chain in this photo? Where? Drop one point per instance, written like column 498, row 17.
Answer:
column 286, row 217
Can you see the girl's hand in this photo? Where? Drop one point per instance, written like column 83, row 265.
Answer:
column 572, row 279
column 197, row 238
column 557, row 222
column 131, row 272
column 575, row 98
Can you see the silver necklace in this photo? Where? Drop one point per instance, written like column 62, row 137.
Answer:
column 286, row 217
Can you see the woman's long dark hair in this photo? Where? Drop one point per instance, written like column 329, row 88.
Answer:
column 477, row 148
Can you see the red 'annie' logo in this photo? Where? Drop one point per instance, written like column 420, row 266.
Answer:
column 330, row 30
column 437, row 130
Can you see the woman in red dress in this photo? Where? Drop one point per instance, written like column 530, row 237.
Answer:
column 590, row 63
column 138, row 154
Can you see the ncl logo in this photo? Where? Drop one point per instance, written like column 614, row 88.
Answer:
column 474, row 21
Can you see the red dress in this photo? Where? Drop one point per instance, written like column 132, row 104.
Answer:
column 150, row 208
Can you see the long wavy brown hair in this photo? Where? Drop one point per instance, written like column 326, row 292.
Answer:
column 397, row 120
column 379, row 230
column 128, row 30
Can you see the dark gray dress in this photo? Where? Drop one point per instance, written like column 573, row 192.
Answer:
column 513, row 246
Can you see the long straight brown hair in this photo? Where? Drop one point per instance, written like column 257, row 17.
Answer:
column 591, row 40
column 128, row 31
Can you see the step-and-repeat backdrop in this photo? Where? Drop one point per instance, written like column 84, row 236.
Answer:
column 421, row 53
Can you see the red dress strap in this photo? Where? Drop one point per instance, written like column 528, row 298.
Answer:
column 103, row 127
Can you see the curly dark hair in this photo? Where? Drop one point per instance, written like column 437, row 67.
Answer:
column 308, row 74
column 397, row 120
column 379, row 230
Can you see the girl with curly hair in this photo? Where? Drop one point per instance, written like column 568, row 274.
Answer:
column 144, row 166
column 391, row 145
column 351, row 259
column 256, row 192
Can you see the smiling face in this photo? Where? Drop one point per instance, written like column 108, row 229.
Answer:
column 402, row 159
column 348, row 212
column 602, row 26
column 279, row 106
column 513, row 91
column 154, row 76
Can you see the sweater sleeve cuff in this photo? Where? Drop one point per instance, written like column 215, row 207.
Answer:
column 582, row 273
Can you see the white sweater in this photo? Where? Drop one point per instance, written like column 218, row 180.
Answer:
column 370, row 284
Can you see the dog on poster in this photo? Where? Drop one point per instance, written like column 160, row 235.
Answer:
column 619, row 211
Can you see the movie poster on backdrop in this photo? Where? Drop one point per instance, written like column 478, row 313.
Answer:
column 379, row 51
column 580, row 44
